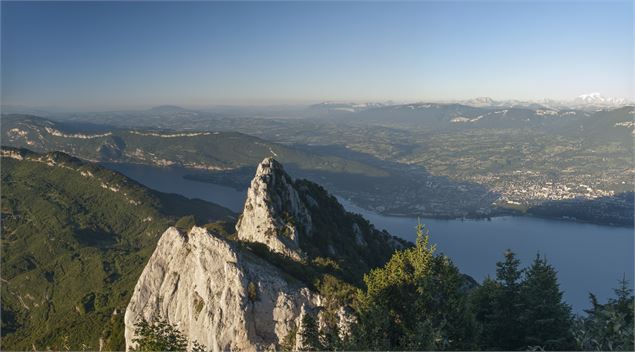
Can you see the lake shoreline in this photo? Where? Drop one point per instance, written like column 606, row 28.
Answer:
column 506, row 214
column 191, row 175
column 588, row 257
column 496, row 212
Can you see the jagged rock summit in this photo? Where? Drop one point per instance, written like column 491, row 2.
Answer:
column 231, row 292
column 274, row 214
column 301, row 220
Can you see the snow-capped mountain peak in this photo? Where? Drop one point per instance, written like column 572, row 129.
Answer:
column 480, row 101
column 594, row 95
column 598, row 100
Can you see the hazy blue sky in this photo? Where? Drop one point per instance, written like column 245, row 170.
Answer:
column 120, row 55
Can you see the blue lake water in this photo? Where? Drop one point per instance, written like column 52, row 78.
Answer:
column 170, row 180
column 589, row 258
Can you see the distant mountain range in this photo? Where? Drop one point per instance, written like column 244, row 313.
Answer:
column 596, row 99
column 168, row 109
column 484, row 113
column 592, row 101
column 399, row 159
column 585, row 101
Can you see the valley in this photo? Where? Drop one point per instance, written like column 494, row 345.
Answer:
column 411, row 160
column 473, row 244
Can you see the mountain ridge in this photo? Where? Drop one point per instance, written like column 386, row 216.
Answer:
column 203, row 150
column 221, row 295
column 74, row 238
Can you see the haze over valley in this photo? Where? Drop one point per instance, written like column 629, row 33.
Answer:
column 424, row 159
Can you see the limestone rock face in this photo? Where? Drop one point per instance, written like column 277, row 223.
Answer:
column 274, row 214
column 218, row 296
column 225, row 296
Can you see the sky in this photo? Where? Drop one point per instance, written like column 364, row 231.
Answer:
column 116, row 55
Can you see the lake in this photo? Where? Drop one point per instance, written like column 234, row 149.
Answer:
column 589, row 258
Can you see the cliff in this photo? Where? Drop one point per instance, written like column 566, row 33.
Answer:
column 229, row 293
column 220, row 297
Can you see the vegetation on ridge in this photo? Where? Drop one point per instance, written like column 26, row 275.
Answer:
column 75, row 238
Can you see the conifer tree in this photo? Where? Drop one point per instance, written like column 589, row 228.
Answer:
column 483, row 301
column 546, row 319
column 309, row 334
column 417, row 301
column 508, row 304
column 609, row 326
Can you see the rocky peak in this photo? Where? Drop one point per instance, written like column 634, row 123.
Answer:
column 217, row 296
column 226, row 296
column 220, row 296
column 301, row 220
column 274, row 213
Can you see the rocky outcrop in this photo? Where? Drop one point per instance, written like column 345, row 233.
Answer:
column 218, row 296
column 274, row 213
column 223, row 295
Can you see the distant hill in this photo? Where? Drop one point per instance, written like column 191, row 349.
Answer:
column 202, row 150
column 168, row 109
column 610, row 125
column 424, row 159
column 75, row 237
column 460, row 116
